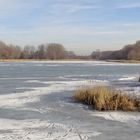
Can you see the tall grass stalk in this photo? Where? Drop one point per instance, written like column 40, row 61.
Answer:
column 104, row 98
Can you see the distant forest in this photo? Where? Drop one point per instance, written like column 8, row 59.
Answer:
column 55, row 51
column 128, row 52
column 48, row 51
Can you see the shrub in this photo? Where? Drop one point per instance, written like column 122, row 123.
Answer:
column 103, row 98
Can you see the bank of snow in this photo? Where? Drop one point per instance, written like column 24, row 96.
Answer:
column 124, row 117
column 127, row 78
column 20, row 99
column 40, row 130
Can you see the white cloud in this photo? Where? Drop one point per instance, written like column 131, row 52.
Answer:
column 71, row 7
column 77, row 8
column 9, row 8
column 129, row 6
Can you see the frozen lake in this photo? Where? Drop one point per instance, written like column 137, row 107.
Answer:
column 36, row 101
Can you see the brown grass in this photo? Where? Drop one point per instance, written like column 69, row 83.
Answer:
column 124, row 61
column 103, row 98
column 28, row 60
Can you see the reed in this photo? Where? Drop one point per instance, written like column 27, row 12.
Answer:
column 104, row 98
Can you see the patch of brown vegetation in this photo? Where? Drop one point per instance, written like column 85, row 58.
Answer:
column 103, row 98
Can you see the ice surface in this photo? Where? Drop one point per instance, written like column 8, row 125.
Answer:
column 127, row 78
column 119, row 116
column 48, row 112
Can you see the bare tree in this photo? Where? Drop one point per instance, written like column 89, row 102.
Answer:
column 56, row 51
column 41, row 52
column 28, row 52
column 14, row 51
column 50, row 51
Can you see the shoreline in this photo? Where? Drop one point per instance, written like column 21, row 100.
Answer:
column 88, row 60
column 123, row 61
column 30, row 60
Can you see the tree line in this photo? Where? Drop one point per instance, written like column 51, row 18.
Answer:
column 128, row 52
column 44, row 51
column 57, row 51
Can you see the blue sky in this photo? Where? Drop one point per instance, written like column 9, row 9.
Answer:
column 80, row 25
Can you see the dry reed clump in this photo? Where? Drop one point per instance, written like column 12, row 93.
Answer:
column 103, row 98
column 139, row 79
